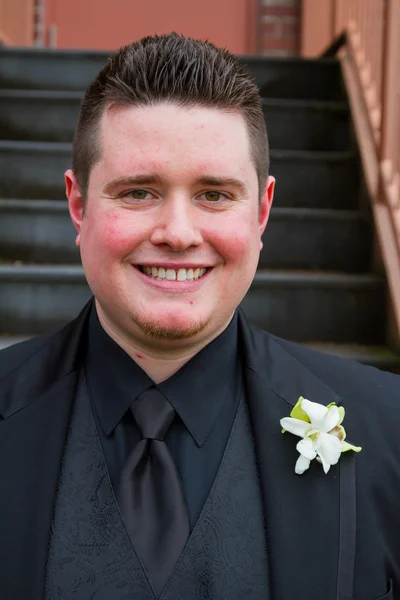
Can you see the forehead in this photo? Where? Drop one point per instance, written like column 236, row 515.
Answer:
column 167, row 136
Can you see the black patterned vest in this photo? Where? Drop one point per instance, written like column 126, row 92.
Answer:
column 91, row 555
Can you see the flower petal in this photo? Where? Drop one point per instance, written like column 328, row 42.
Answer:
column 329, row 449
column 341, row 414
column 341, row 411
column 306, row 448
column 346, row 447
column 298, row 412
column 295, row 426
column 331, row 419
column 315, row 411
column 339, row 432
column 302, row 465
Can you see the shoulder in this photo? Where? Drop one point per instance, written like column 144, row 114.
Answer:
column 362, row 388
column 262, row 342
column 50, row 355
column 16, row 356
column 341, row 373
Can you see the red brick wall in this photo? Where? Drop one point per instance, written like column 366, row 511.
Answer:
column 280, row 27
column 278, row 30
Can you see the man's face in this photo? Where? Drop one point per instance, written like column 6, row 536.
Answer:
column 171, row 235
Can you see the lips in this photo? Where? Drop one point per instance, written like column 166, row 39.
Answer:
column 166, row 273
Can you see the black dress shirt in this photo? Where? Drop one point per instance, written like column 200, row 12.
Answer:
column 205, row 394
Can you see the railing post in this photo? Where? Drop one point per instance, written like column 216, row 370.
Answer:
column 389, row 146
column 40, row 8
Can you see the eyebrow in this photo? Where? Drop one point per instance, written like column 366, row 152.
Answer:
column 154, row 178
column 222, row 182
column 132, row 180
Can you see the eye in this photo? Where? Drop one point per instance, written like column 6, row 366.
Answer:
column 138, row 194
column 214, row 196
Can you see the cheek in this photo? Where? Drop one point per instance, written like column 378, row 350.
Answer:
column 111, row 234
column 237, row 241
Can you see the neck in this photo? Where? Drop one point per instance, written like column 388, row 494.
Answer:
column 159, row 361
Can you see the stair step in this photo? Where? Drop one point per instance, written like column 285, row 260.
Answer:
column 298, row 238
column 318, row 306
column 316, row 179
column 303, row 306
column 51, row 69
column 296, row 77
column 35, row 170
column 311, row 238
column 306, row 124
column 36, row 115
column 37, row 231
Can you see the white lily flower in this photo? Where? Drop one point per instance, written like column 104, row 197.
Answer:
column 321, row 433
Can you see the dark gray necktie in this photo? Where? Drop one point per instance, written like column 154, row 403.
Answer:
column 150, row 494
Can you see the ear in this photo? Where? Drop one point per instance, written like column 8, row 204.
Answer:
column 266, row 203
column 75, row 202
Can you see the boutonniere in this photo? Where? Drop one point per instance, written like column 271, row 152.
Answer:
column 323, row 435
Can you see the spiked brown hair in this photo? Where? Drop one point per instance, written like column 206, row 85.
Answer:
column 170, row 68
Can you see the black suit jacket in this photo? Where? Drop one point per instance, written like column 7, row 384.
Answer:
column 329, row 537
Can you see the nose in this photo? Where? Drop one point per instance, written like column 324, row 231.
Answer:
column 176, row 225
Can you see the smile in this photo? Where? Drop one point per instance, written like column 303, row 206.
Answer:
column 161, row 273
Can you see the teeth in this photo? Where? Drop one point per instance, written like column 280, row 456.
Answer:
column 181, row 275
column 171, row 275
column 174, row 275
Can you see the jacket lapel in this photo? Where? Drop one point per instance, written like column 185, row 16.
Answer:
column 310, row 519
column 35, row 405
column 31, row 447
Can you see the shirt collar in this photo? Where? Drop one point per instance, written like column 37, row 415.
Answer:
column 197, row 391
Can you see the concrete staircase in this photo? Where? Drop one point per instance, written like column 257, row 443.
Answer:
column 314, row 283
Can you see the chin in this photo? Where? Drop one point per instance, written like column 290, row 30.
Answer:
column 171, row 327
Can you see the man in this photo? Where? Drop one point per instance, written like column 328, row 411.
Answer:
column 141, row 451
